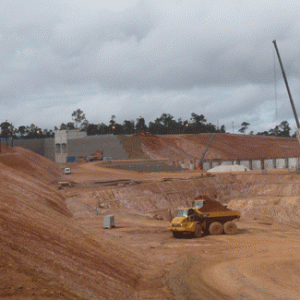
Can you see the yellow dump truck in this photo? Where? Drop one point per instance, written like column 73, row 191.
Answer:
column 208, row 216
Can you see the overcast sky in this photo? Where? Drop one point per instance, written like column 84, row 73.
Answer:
column 135, row 58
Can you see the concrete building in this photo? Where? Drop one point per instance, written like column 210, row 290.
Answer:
column 60, row 142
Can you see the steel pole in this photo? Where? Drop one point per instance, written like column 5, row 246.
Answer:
column 287, row 85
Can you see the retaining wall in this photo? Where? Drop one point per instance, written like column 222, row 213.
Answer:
column 257, row 164
column 112, row 147
column 78, row 147
column 44, row 147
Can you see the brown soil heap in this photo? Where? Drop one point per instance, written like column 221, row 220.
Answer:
column 212, row 205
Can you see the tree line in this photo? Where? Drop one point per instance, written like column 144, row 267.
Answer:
column 165, row 124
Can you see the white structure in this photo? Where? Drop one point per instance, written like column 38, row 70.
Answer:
column 228, row 168
column 60, row 140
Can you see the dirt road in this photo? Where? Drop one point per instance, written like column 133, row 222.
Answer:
column 260, row 262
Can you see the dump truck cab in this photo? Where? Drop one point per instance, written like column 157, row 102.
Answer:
column 206, row 215
column 184, row 222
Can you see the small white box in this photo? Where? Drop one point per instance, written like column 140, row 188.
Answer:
column 109, row 221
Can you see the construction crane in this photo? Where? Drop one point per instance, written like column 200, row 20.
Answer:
column 289, row 92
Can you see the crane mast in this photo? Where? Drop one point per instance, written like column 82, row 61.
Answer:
column 289, row 92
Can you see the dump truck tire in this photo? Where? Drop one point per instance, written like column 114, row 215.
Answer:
column 198, row 231
column 176, row 234
column 215, row 228
column 230, row 228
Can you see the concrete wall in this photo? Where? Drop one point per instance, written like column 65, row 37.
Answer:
column 214, row 164
column 49, row 149
column 35, row 145
column 245, row 163
column 74, row 147
column 109, row 144
column 280, row 163
column 76, row 134
column 44, row 147
column 293, row 162
column 257, row 164
column 269, row 164
column 227, row 162
column 206, row 166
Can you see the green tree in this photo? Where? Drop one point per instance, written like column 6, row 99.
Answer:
column 285, row 129
column 63, row 126
column 128, row 127
column 164, row 125
column 265, row 133
column 198, row 124
column 103, row 129
column 112, row 123
column 140, row 124
column 33, row 131
column 118, row 129
column 92, row 129
column 70, row 126
column 155, row 127
column 22, row 130
column 274, row 131
column 78, row 116
column 222, row 129
column 198, row 119
column 84, row 125
column 6, row 130
column 244, row 127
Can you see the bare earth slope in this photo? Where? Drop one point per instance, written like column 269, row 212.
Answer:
column 44, row 254
column 223, row 146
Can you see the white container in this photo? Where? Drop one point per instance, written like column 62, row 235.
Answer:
column 109, row 221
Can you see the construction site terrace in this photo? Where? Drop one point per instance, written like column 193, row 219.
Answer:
column 54, row 244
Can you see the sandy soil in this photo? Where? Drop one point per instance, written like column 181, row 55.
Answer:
column 53, row 244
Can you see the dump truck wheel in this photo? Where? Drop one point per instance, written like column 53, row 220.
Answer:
column 198, row 231
column 230, row 228
column 176, row 234
column 215, row 228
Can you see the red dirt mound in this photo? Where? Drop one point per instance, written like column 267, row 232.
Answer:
column 30, row 163
column 223, row 146
column 44, row 253
column 212, row 205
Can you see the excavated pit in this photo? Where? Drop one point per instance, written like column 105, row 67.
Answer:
column 53, row 244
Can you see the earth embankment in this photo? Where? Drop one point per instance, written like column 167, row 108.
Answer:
column 223, row 146
column 44, row 253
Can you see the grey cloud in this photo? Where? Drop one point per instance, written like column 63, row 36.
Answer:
column 158, row 56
